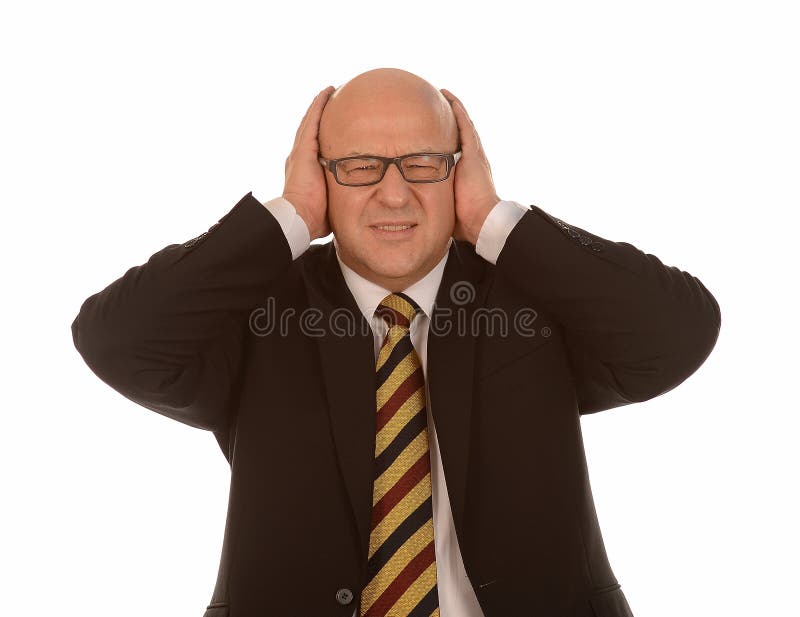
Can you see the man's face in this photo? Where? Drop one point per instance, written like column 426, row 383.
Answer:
column 386, row 124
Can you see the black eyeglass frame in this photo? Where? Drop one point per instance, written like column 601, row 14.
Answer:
column 451, row 158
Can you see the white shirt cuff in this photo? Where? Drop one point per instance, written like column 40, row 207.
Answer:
column 292, row 224
column 498, row 224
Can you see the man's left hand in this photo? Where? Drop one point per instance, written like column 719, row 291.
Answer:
column 474, row 190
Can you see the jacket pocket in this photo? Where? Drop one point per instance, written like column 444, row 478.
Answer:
column 529, row 362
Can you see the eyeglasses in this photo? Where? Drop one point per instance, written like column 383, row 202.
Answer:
column 418, row 168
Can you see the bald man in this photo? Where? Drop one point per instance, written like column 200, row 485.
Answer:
column 400, row 406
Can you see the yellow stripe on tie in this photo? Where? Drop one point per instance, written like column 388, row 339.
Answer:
column 412, row 406
column 399, row 513
column 404, row 461
column 395, row 334
column 404, row 368
column 416, row 592
column 399, row 560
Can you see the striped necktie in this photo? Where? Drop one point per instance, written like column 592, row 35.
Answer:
column 401, row 570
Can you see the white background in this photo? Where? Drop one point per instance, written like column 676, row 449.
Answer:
column 127, row 127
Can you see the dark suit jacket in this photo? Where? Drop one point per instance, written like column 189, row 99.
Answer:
column 293, row 408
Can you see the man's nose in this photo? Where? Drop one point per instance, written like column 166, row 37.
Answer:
column 393, row 186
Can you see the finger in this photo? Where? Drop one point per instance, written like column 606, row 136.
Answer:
column 456, row 103
column 307, row 135
column 303, row 120
column 300, row 129
column 466, row 129
column 461, row 112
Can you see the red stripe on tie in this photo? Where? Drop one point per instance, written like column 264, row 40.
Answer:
column 402, row 487
column 404, row 391
column 392, row 317
column 403, row 581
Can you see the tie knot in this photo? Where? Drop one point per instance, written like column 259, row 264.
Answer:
column 397, row 309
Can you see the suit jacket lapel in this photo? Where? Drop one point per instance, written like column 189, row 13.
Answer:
column 348, row 367
column 451, row 360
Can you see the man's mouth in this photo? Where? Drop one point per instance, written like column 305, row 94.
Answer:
column 394, row 230
column 396, row 227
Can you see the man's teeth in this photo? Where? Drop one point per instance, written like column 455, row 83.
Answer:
column 394, row 227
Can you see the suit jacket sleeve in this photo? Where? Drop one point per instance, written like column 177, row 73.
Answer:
column 633, row 327
column 169, row 333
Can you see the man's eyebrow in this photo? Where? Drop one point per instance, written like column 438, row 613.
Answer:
column 425, row 149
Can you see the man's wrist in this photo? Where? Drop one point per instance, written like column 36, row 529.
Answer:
column 473, row 230
column 496, row 227
column 312, row 233
column 293, row 225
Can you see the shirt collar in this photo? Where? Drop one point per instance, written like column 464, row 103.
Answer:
column 368, row 294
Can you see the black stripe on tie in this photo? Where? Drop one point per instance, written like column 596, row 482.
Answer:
column 427, row 604
column 400, row 351
column 404, row 531
column 408, row 299
column 407, row 434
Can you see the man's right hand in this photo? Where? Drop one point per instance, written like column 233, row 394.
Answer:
column 305, row 185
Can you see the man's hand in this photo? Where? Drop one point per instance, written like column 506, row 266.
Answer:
column 305, row 185
column 474, row 190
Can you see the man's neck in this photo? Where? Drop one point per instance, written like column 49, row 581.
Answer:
column 391, row 284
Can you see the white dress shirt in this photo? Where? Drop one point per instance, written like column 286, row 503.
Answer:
column 456, row 595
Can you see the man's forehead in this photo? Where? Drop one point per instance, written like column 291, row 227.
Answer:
column 352, row 131
column 365, row 153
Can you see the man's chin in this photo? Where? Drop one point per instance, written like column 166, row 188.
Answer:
column 390, row 271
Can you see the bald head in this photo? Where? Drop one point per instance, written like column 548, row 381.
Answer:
column 387, row 112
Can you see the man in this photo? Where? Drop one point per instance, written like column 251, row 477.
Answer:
column 423, row 455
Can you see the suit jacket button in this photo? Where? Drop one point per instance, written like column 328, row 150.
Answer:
column 597, row 246
column 344, row 596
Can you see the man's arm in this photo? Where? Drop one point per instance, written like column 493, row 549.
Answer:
column 634, row 328
column 168, row 334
